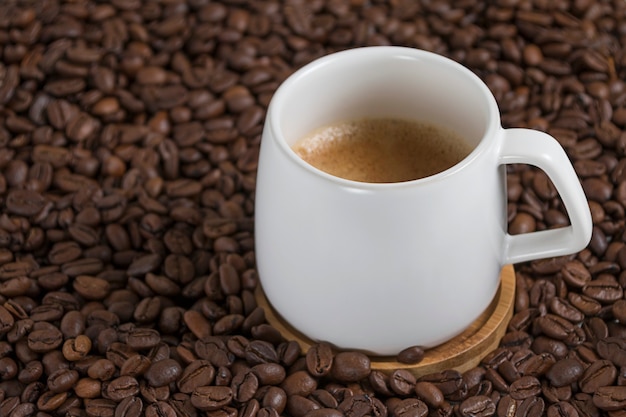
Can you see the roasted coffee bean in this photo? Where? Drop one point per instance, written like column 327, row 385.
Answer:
column 380, row 382
column 603, row 290
column 600, row 373
column 50, row 401
column 536, row 365
column 587, row 305
column 129, row 407
column 564, row 309
column 160, row 408
column 613, row 349
column 411, row 355
column 122, row 387
column 299, row 383
column 88, row 388
column 410, row 407
column 324, row 398
column 100, row 407
column 324, row 412
column 429, row 393
column 561, row 409
column 163, row 372
column 448, row 382
column 269, row 373
column 477, row 406
column 402, row 382
column 575, row 274
column 350, row 366
column 76, row 349
column 610, row 398
column 42, row 341
column 560, row 329
column 564, row 372
column 298, row 406
column 24, row 202
column 209, row 398
column 275, row 398
column 142, row 338
column 319, row 359
column 244, row 385
column 197, row 373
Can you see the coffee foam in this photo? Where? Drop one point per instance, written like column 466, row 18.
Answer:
column 382, row 150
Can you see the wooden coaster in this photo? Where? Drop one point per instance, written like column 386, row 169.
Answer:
column 462, row 353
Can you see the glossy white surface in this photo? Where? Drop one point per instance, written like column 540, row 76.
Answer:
column 381, row 267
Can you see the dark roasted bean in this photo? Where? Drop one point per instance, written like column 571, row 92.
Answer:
column 598, row 374
column 610, row 398
column 350, row 366
column 564, row 372
column 319, row 359
column 410, row 407
column 209, row 398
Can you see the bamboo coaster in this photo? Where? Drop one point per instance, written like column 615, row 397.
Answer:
column 462, row 353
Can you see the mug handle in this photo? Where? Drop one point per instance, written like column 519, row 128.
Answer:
column 536, row 148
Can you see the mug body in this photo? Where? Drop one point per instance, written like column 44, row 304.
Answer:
column 380, row 267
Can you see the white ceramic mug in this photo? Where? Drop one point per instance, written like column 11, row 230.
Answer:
column 382, row 267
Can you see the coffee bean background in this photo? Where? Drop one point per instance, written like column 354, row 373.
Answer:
column 129, row 137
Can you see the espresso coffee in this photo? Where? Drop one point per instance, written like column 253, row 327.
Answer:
column 380, row 150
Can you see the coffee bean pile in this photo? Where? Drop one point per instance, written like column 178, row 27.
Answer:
column 129, row 137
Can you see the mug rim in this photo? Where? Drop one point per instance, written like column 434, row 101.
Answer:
column 492, row 124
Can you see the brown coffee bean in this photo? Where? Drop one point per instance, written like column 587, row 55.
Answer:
column 24, row 202
column 603, row 290
column 102, row 369
column 163, row 372
column 129, row 407
column 209, row 398
column 610, row 398
column 299, row 383
column 429, row 393
column 76, row 349
column 614, row 349
column 477, row 406
column 564, row 372
column 319, row 359
column 598, row 374
column 411, row 355
column 402, row 382
column 198, row 324
column 91, row 288
column 244, row 385
column 587, row 305
column 410, row 407
column 258, row 351
column 564, row 309
column 100, row 407
column 62, row 380
column 50, row 401
column 142, row 338
column 64, row 252
column 122, row 387
column 561, row 408
column 269, row 373
column 197, row 373
column 42, row 341
column 560, row 329
column 88, row 388
column 350, row 366
column 575, row 274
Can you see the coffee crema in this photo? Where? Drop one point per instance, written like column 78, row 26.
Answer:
column 382, row 150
